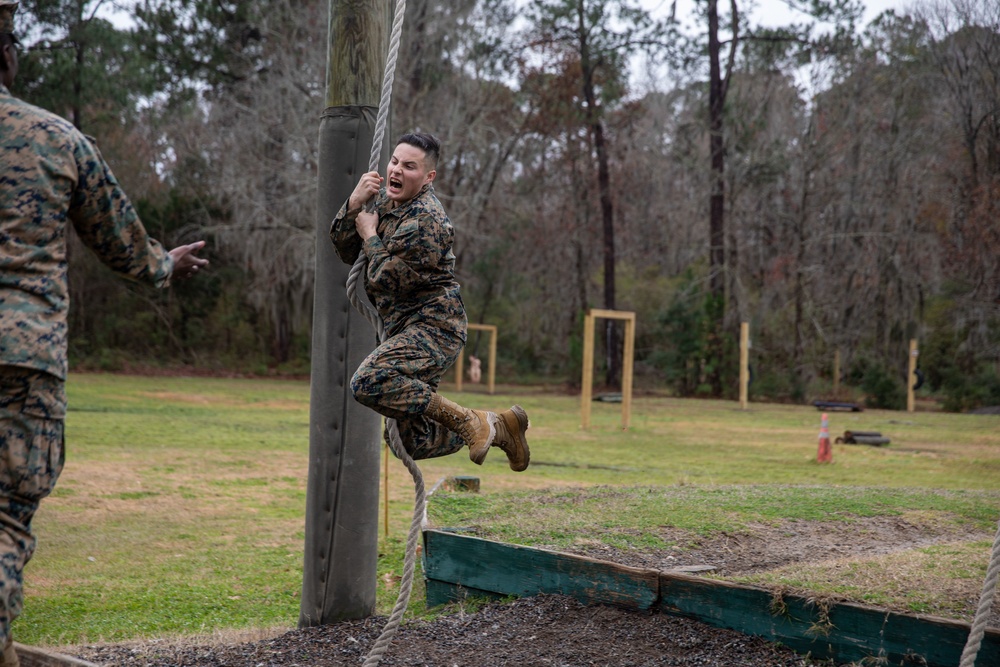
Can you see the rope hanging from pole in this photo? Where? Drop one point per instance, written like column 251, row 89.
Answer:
column 978, row 629
column 378, row 650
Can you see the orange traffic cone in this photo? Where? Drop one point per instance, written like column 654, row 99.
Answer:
column 825, row 453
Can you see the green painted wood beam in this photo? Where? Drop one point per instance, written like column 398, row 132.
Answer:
column 506, row 569
column 457, row 566
column 840, row 631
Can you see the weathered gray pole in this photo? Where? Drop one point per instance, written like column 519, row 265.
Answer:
column 341, row 544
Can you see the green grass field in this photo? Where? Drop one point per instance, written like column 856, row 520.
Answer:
column 181, row 507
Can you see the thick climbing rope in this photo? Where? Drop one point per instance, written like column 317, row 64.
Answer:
column 378, row 650
column 983, row 611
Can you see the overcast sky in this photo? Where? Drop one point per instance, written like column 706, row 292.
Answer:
column 772, row 12
column 769, row 12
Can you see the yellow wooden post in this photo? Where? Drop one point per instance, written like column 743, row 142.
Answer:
column 586, row 394
column 744, row 363
column 627, row 371
column 459, row 370
column 586, row 386
column 492, row 373
column 911, row 376
column 385, row 484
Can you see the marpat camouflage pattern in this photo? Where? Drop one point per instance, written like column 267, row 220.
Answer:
column 54, row 175
column 410, row 279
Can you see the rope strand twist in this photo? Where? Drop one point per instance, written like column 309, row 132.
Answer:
column 381, row 645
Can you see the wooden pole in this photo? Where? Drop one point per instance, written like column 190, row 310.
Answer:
column 459, row 370
column 627, row 371
column 744, row 364
column 587, row 383
column 340, row 561
column 385, row 486
column 911, row 376
column 492, row 372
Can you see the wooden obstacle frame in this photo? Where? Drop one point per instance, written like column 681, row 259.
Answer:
column 460, row 566
column 587, row 385
column 31, row 656
column 491, row 373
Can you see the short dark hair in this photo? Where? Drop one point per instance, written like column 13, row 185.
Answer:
column 428, row 143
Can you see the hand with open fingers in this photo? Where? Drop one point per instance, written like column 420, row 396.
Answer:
column 186, row 262
column 366, row 188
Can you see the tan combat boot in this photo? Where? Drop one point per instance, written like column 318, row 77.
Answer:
column 481, row 430
column 511, row 438
column 473, row 425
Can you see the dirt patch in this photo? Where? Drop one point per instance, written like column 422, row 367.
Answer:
column 560, row 632
column 764, row 547
column 828, row 546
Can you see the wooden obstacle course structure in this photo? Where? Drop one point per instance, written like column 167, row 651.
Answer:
column 587, row 387
column 32, row 656
column 459, row 566
column 491, row 372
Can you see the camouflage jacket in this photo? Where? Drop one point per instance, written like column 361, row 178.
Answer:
column 52, row 174
column 411, row 266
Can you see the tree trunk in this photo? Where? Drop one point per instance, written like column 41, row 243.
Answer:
column 587, row 67
column 78, row 78
column 717, row 201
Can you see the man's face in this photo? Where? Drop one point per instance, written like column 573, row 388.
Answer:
column 9, row 72
column 407, row 173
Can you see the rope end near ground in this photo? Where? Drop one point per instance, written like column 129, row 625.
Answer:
column 381, row 645
column 978, row 629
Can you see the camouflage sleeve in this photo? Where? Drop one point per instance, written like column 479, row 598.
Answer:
column 344, row 235
column 108, row 224
column 409, row 258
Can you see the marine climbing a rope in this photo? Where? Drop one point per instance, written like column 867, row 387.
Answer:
column 407, row 240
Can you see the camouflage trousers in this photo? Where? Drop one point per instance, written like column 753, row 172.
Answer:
column 32, row 410
column 397, row 379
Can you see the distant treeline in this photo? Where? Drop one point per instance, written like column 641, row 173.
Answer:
column 835, row 185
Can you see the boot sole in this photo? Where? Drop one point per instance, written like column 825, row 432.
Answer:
column 519, row 428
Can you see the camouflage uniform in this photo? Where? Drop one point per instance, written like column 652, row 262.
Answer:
column 52, row 175
column 410, row 279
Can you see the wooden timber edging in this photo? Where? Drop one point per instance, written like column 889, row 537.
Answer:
column 32, row 656
column 458, row 566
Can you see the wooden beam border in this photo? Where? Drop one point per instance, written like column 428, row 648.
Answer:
column 458, row 566
column 32, row 656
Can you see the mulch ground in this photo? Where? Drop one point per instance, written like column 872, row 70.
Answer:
column 546, row 630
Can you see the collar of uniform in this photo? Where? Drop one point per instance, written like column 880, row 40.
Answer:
column 3, row 90
column 403, row 208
